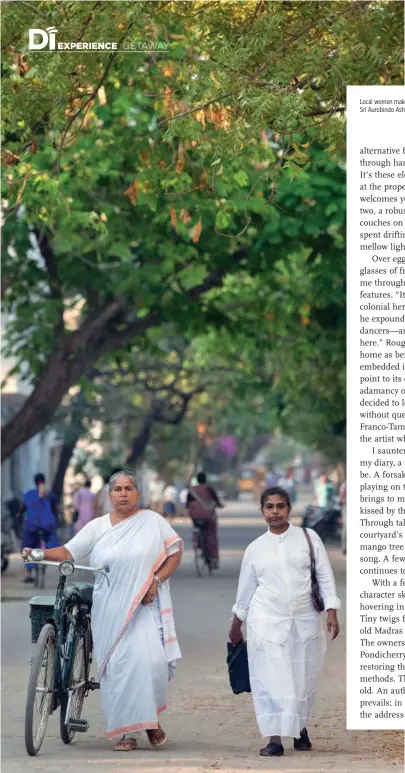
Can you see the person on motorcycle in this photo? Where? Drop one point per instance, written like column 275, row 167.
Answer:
column 41, row 519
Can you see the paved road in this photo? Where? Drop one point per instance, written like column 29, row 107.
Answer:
column 208, row 727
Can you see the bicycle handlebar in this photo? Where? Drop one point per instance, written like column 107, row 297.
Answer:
column 104, row 570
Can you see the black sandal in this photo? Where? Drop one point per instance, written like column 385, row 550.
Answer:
column 303, row 744
column 272, row 750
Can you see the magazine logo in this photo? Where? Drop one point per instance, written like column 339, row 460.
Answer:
column 47, row 38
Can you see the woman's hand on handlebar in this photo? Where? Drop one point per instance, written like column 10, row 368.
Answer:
column 51, row 554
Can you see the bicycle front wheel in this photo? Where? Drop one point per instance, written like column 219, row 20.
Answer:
column 72, row 702
column 40, row 690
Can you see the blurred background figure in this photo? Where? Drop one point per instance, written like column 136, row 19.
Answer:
column 170, row 501
column 342, row 502
column 156, row 491
column 259, row 483
column 102, row 504
column 13, row 508
column 271, row 478
column 323, row 491
column 183, row 500
column 40, row 509
column 289, row 484
column 202, row 501
column 84, row 502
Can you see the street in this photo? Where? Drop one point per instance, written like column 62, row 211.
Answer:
column 208, row 727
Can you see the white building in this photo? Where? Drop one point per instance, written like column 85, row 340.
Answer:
column 40, row 454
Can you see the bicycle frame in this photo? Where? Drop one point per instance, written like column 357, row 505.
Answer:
column 199, row 532
column 65, row 629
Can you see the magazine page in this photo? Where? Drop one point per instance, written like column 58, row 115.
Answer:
column 376, row 257
column 203, row 525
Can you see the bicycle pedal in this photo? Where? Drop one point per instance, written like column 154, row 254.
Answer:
column 78, row 725
column 92, row 685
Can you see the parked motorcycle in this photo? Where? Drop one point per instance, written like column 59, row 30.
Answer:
column 7, row 548
column 326, row 522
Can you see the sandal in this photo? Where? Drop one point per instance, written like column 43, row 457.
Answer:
column 152, row 736
column 125, row 745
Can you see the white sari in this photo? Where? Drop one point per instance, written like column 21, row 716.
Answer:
column 135, row 645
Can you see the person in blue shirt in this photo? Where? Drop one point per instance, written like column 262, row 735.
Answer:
column 41, row 519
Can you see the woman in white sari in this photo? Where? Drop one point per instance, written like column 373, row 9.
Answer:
column 135, row 642
column 285, row 636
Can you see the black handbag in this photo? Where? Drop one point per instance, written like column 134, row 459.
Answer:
column 238, row 668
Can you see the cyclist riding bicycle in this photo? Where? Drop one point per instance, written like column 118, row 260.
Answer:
column 41, row 519
column 202, row 501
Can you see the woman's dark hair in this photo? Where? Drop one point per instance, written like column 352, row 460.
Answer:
column 201, row 477
column 275, row 491
column 39, row 478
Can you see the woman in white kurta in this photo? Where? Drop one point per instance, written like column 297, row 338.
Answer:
column 135, row 642
column 285, row 636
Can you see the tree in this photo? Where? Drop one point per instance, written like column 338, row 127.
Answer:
column 118, row 300
column 243, row 66
column 121, row 200
column 130, row 398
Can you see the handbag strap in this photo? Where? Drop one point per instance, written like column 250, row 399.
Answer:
column 311, row 552
column 202, row 502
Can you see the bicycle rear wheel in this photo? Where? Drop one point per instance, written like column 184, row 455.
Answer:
column 200, row 564
column 40, row 690
column 77, row 683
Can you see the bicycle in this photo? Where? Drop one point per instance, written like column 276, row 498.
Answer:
column 202, row 559
column 60, row 668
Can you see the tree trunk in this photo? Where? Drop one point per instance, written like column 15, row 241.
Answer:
column 64, row 460
column 141, row 441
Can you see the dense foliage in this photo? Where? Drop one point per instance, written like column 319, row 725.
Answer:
column 198, row 189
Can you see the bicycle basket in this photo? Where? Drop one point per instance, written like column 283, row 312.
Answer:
column 41, row 609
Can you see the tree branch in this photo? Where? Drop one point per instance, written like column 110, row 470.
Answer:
column 74, row 355
column 252, row 78
column 54, row 282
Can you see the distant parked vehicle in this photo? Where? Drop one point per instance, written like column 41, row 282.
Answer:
column 6, row 550
column 246, row 480
column 7, row 545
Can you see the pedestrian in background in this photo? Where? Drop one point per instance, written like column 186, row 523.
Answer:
column 323, row 491
column 183, row 500
column 285, row 636
column 156, row 489
column 342, row 501
column 170, row 501
column 40, row 508
column 102, row 502
column 84, row 502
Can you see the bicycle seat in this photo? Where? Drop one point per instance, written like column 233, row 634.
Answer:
column 83, row 589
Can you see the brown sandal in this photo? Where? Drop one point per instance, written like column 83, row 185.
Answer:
column 151, row 737
column 125, row 745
